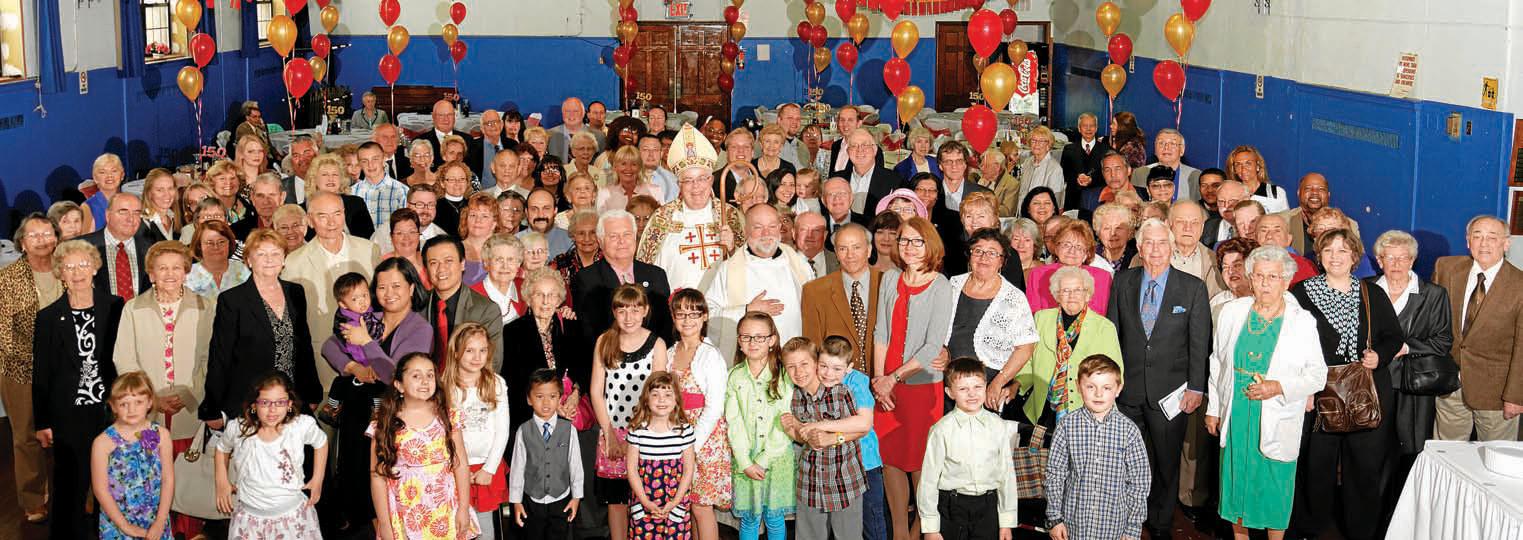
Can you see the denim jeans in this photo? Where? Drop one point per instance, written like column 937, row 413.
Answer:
column 750, row 525
column 873, row 525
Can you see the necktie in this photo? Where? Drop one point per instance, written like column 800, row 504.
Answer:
column 1150, row 308
column 859, row 319
column 1477, row 295
column 441, row 337
column 123, row 274
column 545, row 431
column 1089, row 146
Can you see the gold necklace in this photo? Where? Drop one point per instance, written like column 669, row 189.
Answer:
column 1267, row 323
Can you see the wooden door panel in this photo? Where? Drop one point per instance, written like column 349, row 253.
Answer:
column 652, row 66
column 954, row 66
column 697, row 60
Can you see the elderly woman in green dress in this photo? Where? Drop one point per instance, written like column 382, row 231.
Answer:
column 1266, row 363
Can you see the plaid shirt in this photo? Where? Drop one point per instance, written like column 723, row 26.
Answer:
column 829, row 479
column 1098, row 476
column 381, row 198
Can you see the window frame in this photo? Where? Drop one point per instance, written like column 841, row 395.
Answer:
column 261, row 22
column 179, row 36
column 28, row 30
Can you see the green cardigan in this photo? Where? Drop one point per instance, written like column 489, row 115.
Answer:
column 1097, row 337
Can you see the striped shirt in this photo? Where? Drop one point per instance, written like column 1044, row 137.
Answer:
column 662, row 445
column 381, row 198
column 1097, row 476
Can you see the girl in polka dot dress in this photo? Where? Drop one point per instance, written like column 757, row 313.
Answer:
column 661, row 463
column 625, row 355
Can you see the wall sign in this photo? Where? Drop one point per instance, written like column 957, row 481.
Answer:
column 1406, row 75
column 1489, row 93
column 679, row 10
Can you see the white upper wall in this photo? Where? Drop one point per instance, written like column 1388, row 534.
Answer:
column 1350, row 45
column 91, row 34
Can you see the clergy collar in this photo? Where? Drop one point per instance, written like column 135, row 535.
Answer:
column 775, row 254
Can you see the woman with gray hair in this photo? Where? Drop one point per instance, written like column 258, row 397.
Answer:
column 503, row 256
column 368, row 116
column 420, row 154
column 1026, row 239
column 547, row 339
column 1266, row 362
column 919, row 161
column 1067, row 334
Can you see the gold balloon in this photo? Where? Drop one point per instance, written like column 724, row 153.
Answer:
column 998, row 84
column 821, row 58
column 319, row 68
column 1113, row 77
column 857, row 28
column 190, row 82
column 737, row 31
column 737, row 3
column 282, row 34
column 450, row 33
column 1180, row 32
column 1109, row 18
column 626, row 3
column 627, row 31
column 329, row 18
column 904, row 37
column 189, row 13
column 727, row 65
column 815, row 13
column 396, row 39
column 979, row 63
column 911, row 100
column 1017, row 50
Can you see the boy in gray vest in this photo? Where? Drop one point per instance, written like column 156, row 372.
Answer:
column 546, row 466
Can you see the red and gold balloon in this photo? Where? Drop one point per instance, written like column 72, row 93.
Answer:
column 732, row 50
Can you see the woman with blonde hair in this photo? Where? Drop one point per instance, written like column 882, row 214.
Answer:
column 107, row 173
column 477, row 223
column 772, row 139
column 252, row 158
column 227, row 186
column 537, row 138
column 160, row 197
column 627, row 181
column 919, row 161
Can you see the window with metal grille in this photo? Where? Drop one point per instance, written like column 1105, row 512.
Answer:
column 163, row 35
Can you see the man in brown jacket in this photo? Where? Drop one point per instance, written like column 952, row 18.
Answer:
column 1486, row 300
column 828, row 301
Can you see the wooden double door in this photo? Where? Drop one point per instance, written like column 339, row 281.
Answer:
column 677, row 63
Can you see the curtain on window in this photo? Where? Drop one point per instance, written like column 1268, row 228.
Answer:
column 132, row 38
column 249, row 16
column 49, row 47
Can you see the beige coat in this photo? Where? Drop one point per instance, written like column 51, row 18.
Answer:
column 140, row 347
column 308, row 266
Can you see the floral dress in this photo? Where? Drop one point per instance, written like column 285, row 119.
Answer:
column 711, row 477
column 134, row 475
column 422, row 499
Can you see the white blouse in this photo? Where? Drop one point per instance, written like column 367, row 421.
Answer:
column 711, row 372
column 270, row 473
column 486, row 429
column 1006, row 324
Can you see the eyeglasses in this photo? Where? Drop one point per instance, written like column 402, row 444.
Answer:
column 272, row 403
column 917, row 242
column 986, row 254
column 688, row 315
column 1072, row 292
column 754, row 338
column 1266, row 278
column 76, row 267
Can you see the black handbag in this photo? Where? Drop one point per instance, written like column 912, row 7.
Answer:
column 1425, row 374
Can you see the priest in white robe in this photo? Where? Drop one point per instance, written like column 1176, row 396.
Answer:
column 695, row 232
column 766, row 276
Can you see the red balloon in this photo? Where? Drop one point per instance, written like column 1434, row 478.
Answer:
column 321, row 45
column 896, row 74
column 391, row 68
column 805, row 30
column 457, row 51
column 984, row 32
column 845, row 9
column 1170, row 79
column 621, row 55
column 323, row 3
column 629, row 84
column 457, row 12
column 846, row 54
column 892, row 8
column 294, row 6
column 819, row 35
column 1194, row 9
column 1007, row 20
column 203, row 48
column 629, row 14
column 979, row 124
column 731, row 14
column 298, row 77
column 390, row 10
column 726, row 82
column 1120, row 47
column 730, row 50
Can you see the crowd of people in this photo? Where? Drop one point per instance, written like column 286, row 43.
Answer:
column 626, row 331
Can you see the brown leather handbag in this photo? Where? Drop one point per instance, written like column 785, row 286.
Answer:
column 1349, row 402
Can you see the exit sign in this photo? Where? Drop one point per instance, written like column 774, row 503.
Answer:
column 679, row 10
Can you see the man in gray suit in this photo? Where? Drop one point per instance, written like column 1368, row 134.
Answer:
column 573, row 114
column 1168, row 149
column 452, row 304
column 1163, row 320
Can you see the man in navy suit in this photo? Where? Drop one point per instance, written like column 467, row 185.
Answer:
column 1081, row 160
column 592, row 288
column 123, row 247
column 1163, row 320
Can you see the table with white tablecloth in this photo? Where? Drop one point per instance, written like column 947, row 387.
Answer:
column 281, row 140
column 1451, row 494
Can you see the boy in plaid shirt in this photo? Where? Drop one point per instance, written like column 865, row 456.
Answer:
column 830, row 480
column 1097, row 472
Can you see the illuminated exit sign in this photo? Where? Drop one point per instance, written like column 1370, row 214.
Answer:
column 679, row 10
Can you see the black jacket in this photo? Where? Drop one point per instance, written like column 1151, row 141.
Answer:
column 1180, row 345
column 521, row 342
column 242, row 345
column 592, row 297
column 881, row 182
column 1425, row 321
column 141, row 241
column 1076, row 162
column 1385, row 336
column 56, row 367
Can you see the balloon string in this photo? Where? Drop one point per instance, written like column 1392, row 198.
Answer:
column 290, row 99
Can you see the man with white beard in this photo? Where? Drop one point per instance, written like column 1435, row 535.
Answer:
column 688, row 236
column 766, row 276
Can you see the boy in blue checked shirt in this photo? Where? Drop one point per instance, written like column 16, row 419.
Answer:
column 967, row 487
column 830, row 480
column 1097, row 471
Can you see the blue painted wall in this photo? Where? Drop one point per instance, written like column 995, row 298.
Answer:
column 1390, row 162
column 143, row 119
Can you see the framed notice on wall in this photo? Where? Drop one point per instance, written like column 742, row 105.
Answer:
column 1515, row 211
column 1515, row 173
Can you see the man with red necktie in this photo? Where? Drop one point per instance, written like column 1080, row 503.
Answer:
column 123, row 246
column 451, row 304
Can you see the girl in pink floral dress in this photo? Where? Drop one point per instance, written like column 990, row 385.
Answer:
column 421, row 488
column 702, row 375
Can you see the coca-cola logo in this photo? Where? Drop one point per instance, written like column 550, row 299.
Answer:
column 1026, row 74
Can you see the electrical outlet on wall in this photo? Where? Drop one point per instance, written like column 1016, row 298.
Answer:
column 84, row 83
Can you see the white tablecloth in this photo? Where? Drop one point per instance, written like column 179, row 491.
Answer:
column 1450, row 494
column 282, row 139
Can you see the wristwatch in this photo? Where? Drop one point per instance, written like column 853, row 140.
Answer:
column 840, row 439
column 1053, row 523
column 897, row 379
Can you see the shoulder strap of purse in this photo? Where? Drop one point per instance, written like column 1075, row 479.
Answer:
column 1369, row 325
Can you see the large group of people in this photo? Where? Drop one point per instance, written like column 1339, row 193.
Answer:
column 626, row 331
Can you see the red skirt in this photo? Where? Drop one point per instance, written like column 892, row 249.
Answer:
column 491, row 496
column 902, row 432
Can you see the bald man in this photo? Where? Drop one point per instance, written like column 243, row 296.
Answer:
column 444, row 126
column 315, row 266
column 491, row 143
column 869, row 179
column 766, row 275
column 389, row 136
column 573, row 120
column 123, row 241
